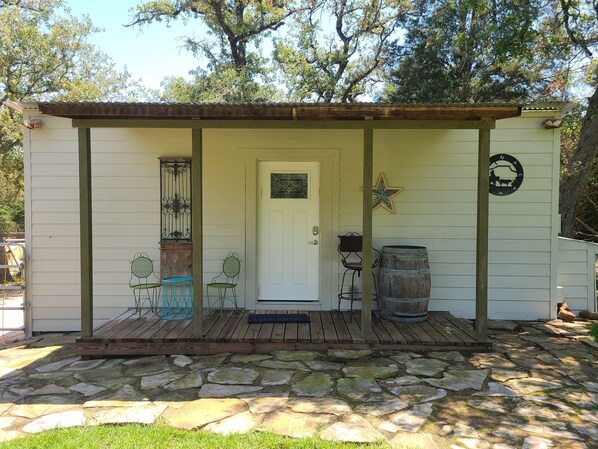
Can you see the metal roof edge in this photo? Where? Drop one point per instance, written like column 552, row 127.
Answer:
column 560, row 106
column 22, row 106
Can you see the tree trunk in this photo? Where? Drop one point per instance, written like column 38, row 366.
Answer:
column 576, row 174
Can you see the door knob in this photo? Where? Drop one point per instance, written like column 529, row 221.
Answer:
column 313, row 242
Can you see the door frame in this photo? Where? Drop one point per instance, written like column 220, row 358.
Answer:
column 329, row 223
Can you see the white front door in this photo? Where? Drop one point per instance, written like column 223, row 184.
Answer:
column 288, row 231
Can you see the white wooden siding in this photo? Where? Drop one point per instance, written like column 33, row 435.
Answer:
column 437, row 209
column 125, row 216
column 577, row 273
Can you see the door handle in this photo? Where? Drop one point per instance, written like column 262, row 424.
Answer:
column 313, row 242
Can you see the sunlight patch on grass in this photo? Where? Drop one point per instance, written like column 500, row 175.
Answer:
column 133, row 436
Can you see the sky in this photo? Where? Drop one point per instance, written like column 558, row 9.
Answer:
column 149, row 53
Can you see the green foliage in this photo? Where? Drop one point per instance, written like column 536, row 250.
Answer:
column 233, row 25
column 594, row 331
column 229, row 85
column 12, row 216
column 470, row 50
column 163, row 437
column 236, row 71
column 340, row 58
column 44, row 55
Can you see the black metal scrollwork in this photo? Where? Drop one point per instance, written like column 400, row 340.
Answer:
column 175, row 203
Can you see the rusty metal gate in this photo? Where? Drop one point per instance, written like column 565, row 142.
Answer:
column 13, row 306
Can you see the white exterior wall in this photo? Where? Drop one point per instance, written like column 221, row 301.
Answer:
column 126, row 216
column 437, row 209
column 577, row 273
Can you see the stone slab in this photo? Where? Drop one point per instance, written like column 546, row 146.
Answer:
column 352, row 429
column 200, row 412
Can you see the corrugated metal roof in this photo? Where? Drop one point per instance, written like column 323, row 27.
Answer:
column 286, row 111
column 279, row 111
column 562, row 106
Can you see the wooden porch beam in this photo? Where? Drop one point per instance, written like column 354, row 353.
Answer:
column 197, row 229
column 366, row 275
column 85, row 223
column 481, row 322
column 285, row 124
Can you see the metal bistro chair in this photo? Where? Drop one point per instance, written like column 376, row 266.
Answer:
column 225, row 281
column 144, row 282
column 350, row 249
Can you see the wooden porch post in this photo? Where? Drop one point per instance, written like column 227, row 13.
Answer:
column 481, row 313
column 197, row 229
column 86, row 248
column 366, row 275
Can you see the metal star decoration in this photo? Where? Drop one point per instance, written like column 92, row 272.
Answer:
column 382, row 194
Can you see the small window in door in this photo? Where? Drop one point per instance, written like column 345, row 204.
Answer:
column 288, row 186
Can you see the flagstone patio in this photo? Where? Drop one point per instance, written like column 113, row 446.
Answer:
column 538, row 389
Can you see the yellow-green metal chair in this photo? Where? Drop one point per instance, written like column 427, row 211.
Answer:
column 144, row 282
column 223, row 283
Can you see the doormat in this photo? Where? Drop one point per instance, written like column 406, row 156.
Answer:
column 277, row 318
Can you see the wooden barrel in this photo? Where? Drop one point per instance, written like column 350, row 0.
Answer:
column 404, row 283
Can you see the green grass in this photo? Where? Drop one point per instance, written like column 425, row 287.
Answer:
column 133, row 436
column 594, row 331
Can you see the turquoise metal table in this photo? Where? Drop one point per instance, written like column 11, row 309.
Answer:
column 177, row 298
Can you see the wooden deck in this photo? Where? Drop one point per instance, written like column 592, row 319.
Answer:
column 129, row 334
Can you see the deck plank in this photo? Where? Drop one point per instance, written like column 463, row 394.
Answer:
column 410, row 336
column 230, row 326
column 109, row 327
column 128, row 334
column 445, row 329
column 461, row 324
column 133, row 324
column 328, row 327
column 118, row 328
column 253, row 329
column 442, row 329
column 175, row 333
column 210, row 320
column 241, row 329
column 303, row 332
column 380, row 331
column 163, row 331
column 421, row 334
column 393, row 331
column 156, row 323
column 453, row 330
column 278, row 330
column 265, row 333
column 290, row 332
column 148, row 325
column 223, row 317
column 315, row 327
column 187, row 333
column 101, row 329
column 433, row 333
column 352, row 326
column 342, row 331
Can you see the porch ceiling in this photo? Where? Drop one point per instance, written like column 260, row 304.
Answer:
column 279, row 111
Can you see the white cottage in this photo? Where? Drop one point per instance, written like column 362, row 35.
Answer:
column 496, row 256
